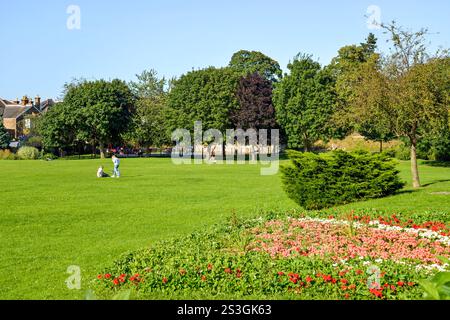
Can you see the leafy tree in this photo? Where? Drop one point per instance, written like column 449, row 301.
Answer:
column 304, row 102
column 59, row 127
column 254, row 96
column 149, row 125
column 410, row 91
column 346, row 68
column 105, row 110
column 5, row 138
column 248, row 62
column 206, row 95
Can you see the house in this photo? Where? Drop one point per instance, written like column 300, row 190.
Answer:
column 17, row 115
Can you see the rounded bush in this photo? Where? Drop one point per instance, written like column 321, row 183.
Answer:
column 28, row 153
column 322, row 181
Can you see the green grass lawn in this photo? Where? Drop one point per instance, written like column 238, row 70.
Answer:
column 56, row 214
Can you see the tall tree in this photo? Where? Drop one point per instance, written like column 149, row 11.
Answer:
column 410, row 91
column 304, row 102
column 206, row 95
column 5, row 138
column 149, row 125
column 59, row 127
column 105, row 110
column 254, row 96
column 346, row 68
column 247, row 62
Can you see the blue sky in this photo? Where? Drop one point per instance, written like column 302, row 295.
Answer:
column 118, row 39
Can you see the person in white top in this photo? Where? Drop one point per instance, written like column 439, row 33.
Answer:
column 101, row 173
column 116, row 162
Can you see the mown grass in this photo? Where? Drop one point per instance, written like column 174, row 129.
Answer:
column 56, row 214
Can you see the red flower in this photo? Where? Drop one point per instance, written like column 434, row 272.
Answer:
column 347, row 296
column 400, row 283
column 333, row 280
column 280, row 273
column 326, row 278
column 107, row 276
column 352, row 286
column 392, row 287
column 227, row 270
column 99, row 276
column 359, row 271
column 377, row 293
column 182, row 272
column 410, row 284
column 123, row 275
column 210, row 266
column 343, row 288
column 344, row 281
column 116, row 281
column 238, row 274
column 308, row 279
column 164, row 280
column 203, row 278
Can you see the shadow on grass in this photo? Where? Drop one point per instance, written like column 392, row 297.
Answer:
column 402, row 192
column 435, row 181
column 443, row 164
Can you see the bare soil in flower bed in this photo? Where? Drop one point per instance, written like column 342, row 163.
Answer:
column 290, row 256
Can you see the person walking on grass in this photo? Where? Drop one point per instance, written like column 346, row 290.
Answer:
column 116, row 162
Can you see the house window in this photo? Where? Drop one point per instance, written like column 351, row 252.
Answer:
column 28, row 123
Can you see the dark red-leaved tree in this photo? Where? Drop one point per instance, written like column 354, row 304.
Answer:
column 256, row 111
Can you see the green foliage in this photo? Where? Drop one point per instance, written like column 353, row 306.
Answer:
column 59, row 127
column 248, row 62
column 5, row 138
column 321, row 181
column 28, row 153
column 33, row 141
column 97, row 112
column 437, row 287
column 206, row 95
column 104, row 109
column 304, row 102
column 149, row 122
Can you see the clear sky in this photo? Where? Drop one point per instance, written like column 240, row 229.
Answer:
column 118, row 38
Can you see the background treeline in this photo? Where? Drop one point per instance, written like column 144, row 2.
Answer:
column 401, row 94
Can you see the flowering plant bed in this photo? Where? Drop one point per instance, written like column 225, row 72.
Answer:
column 293, row 257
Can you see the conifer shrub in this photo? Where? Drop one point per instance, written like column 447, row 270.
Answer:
column 321, row 181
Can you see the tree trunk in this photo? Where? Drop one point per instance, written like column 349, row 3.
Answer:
column 381, row 146
column 414, row 168
column 102, row 151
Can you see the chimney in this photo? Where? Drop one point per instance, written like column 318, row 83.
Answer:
column 24, row 100
column 37, row 101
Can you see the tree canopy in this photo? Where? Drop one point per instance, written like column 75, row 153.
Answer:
column 304, row 101
column 247, row 62
column 206, row 95
column 254, row 95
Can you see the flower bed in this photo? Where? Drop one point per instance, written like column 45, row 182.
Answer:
column 286, row 258
column 344, row 240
